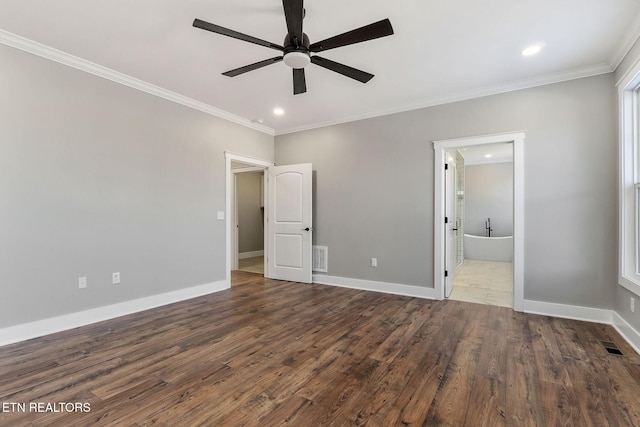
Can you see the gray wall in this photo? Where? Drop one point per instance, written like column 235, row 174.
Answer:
column 489, row 194
column 622, row 307
column 623, row 295
column 250, row 216
column 98, row 178
column 374, row 187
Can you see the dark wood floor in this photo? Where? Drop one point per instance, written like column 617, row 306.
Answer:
column 267, row 353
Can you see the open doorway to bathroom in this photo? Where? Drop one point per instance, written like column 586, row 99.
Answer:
column 483, row 210
column 446, row 234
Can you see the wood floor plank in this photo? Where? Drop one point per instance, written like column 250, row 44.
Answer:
column 622, row 377
column 594, row 402
column 448, row 407
column 547, row 356
column 490, row 400
column 413, row 403
column 493, row 357
column 524, row 394
column 270, row 353
column 560, row 405
column 121, row 379
column 285, row 413
column 518, row 327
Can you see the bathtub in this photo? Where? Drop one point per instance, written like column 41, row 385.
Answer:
column 488, row 248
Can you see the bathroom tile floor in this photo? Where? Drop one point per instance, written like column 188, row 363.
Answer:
column 484, row 282
column 252, row 265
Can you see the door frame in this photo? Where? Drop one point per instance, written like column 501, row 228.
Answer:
column 251, row 162
column 440, row 147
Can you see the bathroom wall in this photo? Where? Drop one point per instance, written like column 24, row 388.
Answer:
column 489, row 194
column 250, row 213
column 460, row 207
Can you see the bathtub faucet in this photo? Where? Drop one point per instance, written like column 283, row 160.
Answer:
column 487, row 227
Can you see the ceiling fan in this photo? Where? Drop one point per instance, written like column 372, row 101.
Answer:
column 297, row 49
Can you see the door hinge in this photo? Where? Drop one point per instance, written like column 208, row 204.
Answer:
column 446, row 273
column 446, row 166
column 446, row 220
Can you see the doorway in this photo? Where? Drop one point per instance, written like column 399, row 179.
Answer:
column 483, row 202
column 287, row 220
column 444, row 262
column 249, row 219
column 237, row 164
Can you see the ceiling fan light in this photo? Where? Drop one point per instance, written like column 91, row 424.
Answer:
column 297, row 59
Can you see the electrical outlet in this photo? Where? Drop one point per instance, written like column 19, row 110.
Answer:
column 632, row 305
column 82, row 282
column 374, row 262
column 115, row 278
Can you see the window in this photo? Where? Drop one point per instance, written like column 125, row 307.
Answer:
column 629, row 187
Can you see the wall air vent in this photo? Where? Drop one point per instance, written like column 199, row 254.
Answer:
column 320, row 258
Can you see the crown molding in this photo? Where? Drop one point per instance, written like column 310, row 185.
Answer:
column 61, row 57
column 630, row 37
column 543, row 80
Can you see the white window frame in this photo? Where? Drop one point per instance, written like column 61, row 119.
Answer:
column 629, row 181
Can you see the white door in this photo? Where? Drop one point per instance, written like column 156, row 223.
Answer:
column 289, row 223
column 450, row 222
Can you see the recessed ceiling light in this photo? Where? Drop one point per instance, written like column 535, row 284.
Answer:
column 487, row 156
column 278, row 111
column 532, row 50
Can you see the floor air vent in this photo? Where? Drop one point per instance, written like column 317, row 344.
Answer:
column 320, row 254
column 612, row 348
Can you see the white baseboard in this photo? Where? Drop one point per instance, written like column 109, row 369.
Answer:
column 574, row 312
column 244, row 255
column 52, row 325
column 374, row 286
column 587, row 314
column 627, row 331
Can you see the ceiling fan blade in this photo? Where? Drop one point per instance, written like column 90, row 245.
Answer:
column 234, row 34
column 294, row 13
column 345, row 70
column 299, row 81
column 368, row 32
column 251, row 67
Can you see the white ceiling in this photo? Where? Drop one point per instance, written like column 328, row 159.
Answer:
column 487, row 153
column 441, row 50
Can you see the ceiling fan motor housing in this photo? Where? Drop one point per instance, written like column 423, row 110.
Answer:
column 296, row 53
column 296, row 49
